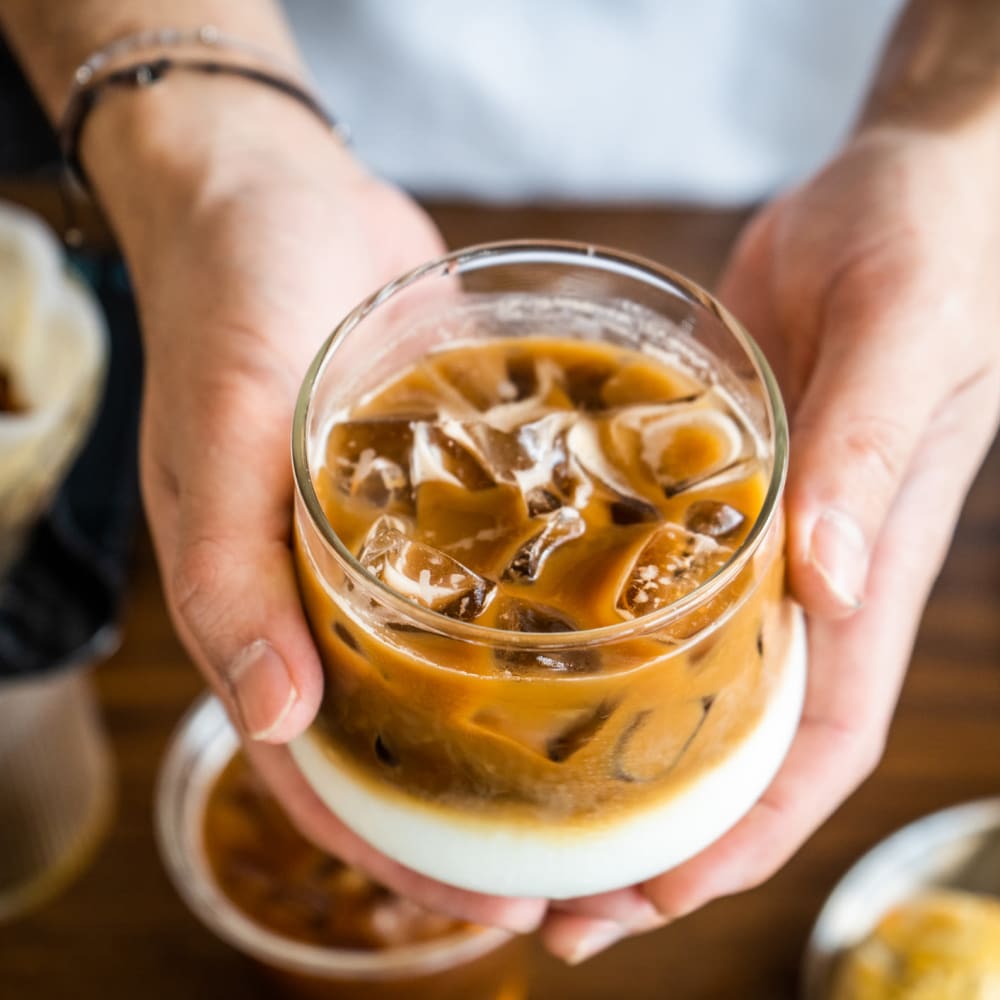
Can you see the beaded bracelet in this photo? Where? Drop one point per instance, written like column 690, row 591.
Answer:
column 206, row 36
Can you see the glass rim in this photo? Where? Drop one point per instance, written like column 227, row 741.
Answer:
column 566, row 252
column 204, row 727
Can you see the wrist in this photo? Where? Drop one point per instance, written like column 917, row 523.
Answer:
column 966, row 155
column 940, row 75
column 154, row 154
column 977, row 135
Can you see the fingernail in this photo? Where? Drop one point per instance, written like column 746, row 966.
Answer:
column 598, row 936
column 262, row 689
column 840, row 556
column 524, row 919
column 645, row 917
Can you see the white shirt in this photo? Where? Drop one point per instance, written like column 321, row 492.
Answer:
column 712, row 101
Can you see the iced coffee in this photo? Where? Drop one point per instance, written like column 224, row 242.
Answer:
column 291, row 887
column 301, row 896
column 317, row 928
column 557, row 653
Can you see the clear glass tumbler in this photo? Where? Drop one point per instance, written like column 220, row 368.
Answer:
column 543, row 782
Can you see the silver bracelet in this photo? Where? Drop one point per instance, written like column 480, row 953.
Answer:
column 208, row 36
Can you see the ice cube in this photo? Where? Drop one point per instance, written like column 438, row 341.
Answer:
column 586, row 449
column 387, row 436
column 482, row 379
column 585, row 381
column 521, row 376
column 473, row 453
column 578, row 733
column 543, row 441
column 370, row 459
column 376, row 479
column 450, row 401
column 655, row 740
column 670, row 565
column 517, row 615
column 553, row 469
column 422, row 573
column 438, row 455
column 632, row 510
column 681, row 444
column 732, row 473
column 713, row 517
column 541, row 501
column 533, row 456
column 552, row 733
column 498, row 452
column 562, row 527
column 537, row 391
column 572, row 483
column 346, row 636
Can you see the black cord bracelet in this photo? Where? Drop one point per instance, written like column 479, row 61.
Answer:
column 149, row 72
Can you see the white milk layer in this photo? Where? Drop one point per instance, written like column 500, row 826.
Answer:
column 515, row 859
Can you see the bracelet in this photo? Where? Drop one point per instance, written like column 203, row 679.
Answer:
column 208, row 36
column 144, row 74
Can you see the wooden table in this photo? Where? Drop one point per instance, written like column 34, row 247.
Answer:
column 122, row 932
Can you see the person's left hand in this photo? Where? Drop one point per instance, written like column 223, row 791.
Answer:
column 873, row 291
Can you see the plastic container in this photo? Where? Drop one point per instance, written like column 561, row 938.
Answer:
column 53, row 355
column 56, row 786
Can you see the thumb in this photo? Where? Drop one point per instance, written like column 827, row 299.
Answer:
column 237, row 607
column 870, row 396
column 232, row 586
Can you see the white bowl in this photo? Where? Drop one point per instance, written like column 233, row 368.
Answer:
column 958, row 848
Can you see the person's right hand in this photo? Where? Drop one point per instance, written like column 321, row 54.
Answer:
column 249, row 232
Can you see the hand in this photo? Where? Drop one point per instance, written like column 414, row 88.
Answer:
column 244, row 257
column 873, row 291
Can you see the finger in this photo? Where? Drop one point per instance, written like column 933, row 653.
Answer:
column 576, row 929
column 574, row 938
column 628, row 907
column 231, row 582
column 308, row 813
column 745, row 286
column 856, row 668
column 875, row 385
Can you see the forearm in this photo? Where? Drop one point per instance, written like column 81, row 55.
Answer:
column 941, row 70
